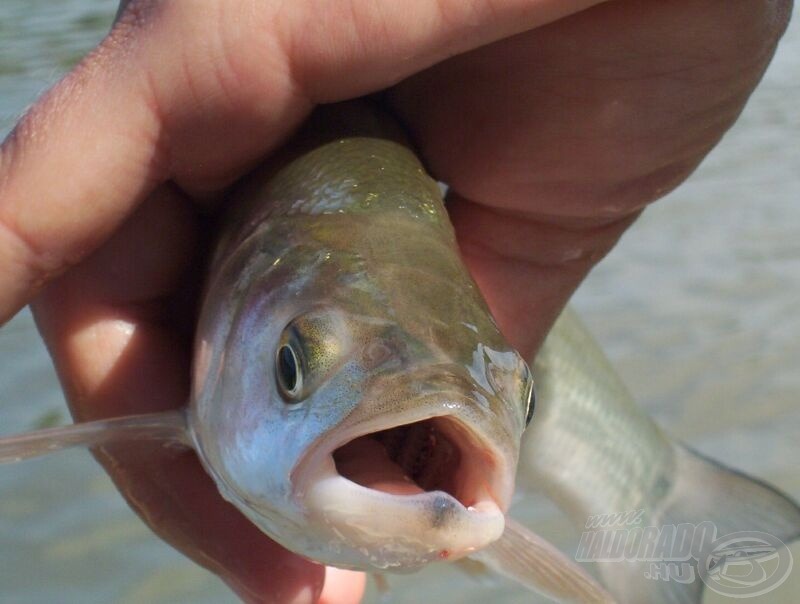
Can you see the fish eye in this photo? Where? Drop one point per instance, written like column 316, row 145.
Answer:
column 306, row 354
column 518, row 386
column 530, row 401
column 289, row 373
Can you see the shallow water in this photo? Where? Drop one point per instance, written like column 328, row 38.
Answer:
column 697, row 307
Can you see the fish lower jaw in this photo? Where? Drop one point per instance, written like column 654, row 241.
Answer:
column 380, row 530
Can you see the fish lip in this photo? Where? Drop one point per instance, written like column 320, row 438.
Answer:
column 372, row 529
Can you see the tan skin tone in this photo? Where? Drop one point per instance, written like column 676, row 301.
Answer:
column 554, row 121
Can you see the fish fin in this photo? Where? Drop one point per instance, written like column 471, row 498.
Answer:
column 532, row 561
column 166, row 425
column 705, row 494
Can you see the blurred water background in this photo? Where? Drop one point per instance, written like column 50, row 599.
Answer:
column 698, row 307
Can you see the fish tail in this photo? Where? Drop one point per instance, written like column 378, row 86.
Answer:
column 167, row 426
column 712, row 528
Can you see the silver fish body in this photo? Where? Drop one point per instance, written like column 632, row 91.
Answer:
column 598, row 455
column 591, row 444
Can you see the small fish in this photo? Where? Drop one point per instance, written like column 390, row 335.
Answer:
column 351, row 393
column 354, row 398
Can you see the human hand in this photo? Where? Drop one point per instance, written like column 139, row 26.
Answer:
column 552, row 139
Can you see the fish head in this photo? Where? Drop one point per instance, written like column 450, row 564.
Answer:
column 359, row 423
column 421, row 467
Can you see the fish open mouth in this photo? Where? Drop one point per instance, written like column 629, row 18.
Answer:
column 431, row 455
column 403, row 496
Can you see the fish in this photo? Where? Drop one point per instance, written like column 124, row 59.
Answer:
column 352, row 394
column 354, row 398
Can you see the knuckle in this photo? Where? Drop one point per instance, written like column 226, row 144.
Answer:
column 21, row 250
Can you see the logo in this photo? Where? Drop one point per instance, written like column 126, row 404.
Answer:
column 743, row 564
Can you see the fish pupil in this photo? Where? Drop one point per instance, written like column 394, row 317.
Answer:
column 287, row 370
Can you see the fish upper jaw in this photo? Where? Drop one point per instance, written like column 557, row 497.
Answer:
column 397, row 493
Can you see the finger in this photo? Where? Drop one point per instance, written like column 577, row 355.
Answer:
column 528, row 266
column 574, row 127
column 107, row 326
column 342, row 586
column 197, row 92
column 598, row 113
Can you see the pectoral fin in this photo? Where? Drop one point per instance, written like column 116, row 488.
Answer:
column 169, row 426
column 530, row 560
